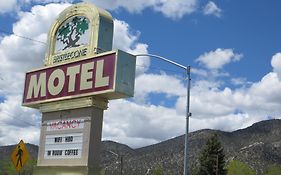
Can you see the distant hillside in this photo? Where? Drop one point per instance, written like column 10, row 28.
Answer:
column 6, row 167
column 5, row 151
column 259, row 146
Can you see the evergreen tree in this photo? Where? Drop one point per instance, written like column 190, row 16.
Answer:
column 212, row 158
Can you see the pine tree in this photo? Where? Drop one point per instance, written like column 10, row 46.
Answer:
column 212, row 158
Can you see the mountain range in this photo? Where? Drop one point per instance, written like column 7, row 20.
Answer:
column 258, row 146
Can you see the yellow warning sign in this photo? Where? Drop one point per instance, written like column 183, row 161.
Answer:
column 19, row 156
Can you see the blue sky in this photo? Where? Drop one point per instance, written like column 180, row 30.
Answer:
column 249, row 27
column 233, row 48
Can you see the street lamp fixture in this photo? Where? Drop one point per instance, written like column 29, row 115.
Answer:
column 188, row 114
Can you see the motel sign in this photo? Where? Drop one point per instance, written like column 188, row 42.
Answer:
column 80, row 75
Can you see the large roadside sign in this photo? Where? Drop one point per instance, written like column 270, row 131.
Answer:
column 81, row 73
column 19, row 156
column 109, row 75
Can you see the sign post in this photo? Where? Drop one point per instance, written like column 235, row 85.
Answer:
column 81, row 74
column 19, row 156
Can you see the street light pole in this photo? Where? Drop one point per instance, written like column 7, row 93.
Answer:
column 188, row 114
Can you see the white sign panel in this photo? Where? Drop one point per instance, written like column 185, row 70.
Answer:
column 59, row 125
column 63, row 146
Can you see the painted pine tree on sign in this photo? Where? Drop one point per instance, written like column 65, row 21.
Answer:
column 70, row 33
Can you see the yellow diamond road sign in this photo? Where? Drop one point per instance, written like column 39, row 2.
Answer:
column 19, row 156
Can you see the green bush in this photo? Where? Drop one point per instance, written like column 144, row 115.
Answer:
column 7, row 167
column 157, row 171
column 239, row 168
column 273, row 170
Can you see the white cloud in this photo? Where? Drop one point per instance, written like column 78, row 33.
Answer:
column 18, row 123
column 239, row 81
column 8, row 6
column 266, row 91
column 172, row 9
column 218, row 58
column 216, row 103
column 230, row 109
column 12, row 113
column 135, row 6
column 140, row 124
column 30, row 54
column 41, row 18
column 12, row 134
column 128, row 121
column 19, row 55
column 276, row 63
column 229, row 122
column 227, row 109
column 259, row 100
column 15, row 5
column 199, row 72
column 177, row 8
column 212, row 9
column 158, row 84
column 212, row 107
column 127, row 40
column 49, row 1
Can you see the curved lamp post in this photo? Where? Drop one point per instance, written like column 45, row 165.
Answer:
column 188, row 114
